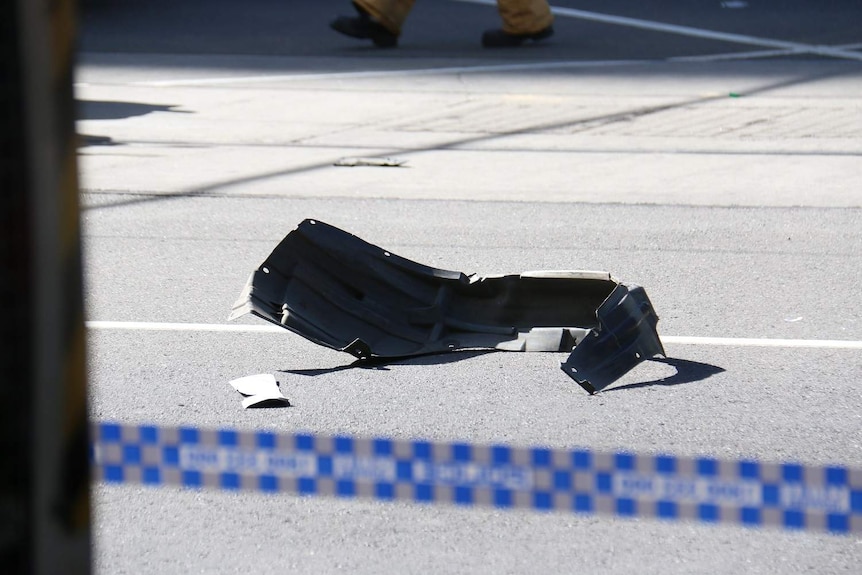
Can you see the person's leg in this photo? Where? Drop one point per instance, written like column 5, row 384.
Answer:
column 522, row 20
column 390, row 13
column 379, row 21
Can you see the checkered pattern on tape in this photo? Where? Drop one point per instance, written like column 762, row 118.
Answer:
column 629, row 485
column 748, row 493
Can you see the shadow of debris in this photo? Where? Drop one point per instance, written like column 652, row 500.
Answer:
column 382, row 363
column 105, row 110
column 687, row 371
column 271, row 404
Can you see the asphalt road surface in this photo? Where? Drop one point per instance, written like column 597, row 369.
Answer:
column 709, row 151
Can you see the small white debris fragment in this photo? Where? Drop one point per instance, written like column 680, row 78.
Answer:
column 793, row 320
column 378, row 162
column 259, row 390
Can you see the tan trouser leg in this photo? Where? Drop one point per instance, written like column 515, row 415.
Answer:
column 390, row 13
column 524, row 16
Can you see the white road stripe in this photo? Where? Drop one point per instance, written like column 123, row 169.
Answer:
column 734, row 56
column 762, row 342
column 694, row 32
column 750, row 55
column 162, row 326
column 531, row 66
column 780, row 48
column 668, row 339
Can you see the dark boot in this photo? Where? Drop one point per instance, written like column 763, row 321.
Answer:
column 365, row 28
column 500, row 39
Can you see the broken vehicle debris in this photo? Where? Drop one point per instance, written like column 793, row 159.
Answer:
column 260, row 390
column 341, row 292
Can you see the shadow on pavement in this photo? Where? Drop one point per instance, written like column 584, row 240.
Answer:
column 687, row 371
column 382, row 363
column 104, row 110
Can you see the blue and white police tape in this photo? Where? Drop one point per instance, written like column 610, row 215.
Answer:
column 748, row 493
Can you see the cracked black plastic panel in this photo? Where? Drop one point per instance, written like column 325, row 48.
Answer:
column 626, row 336
column 344, row 293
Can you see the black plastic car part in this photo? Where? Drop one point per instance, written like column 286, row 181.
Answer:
column 341, row 292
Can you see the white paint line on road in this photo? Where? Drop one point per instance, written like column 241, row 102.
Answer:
column 694, row 32
column 750, row 55
column 734, row 56
column 780, row 48
column 162, row 326
column 531, row 66
column 762, row 342
column 668, row 339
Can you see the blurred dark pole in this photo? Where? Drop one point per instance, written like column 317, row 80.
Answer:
column 44, row 473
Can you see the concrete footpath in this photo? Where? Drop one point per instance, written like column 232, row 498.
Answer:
column 645, row 132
